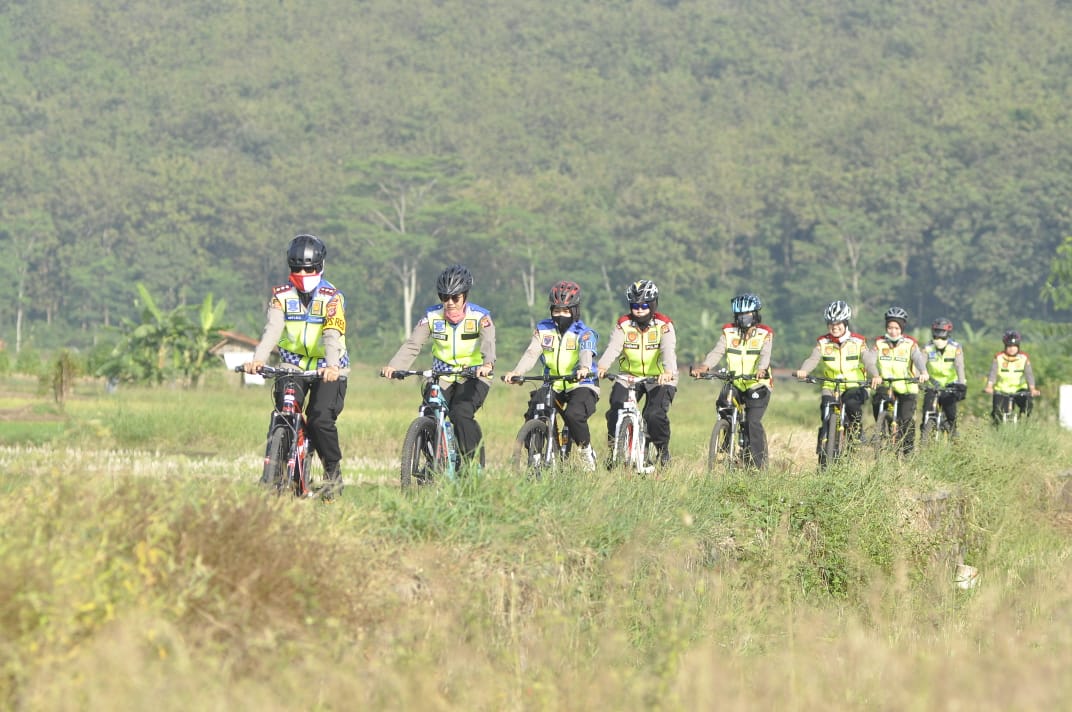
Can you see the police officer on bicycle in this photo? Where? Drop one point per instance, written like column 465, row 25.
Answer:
column 462, row 335
column 841, row 354
column 644, row 343
column 746, row 344
column 896, row 355
column 945, row 366
column 306, row 320
column 1010, row 375
column 565, row 346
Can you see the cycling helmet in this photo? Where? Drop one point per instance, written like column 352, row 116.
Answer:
column 897, row 314
column 837, row 311
column 306, row 251
column 1012, row 338
column 745, row 303
column 941, row 328
column 565, row 294
column 643, row 290
column 456, row 279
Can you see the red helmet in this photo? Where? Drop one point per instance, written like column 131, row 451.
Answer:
column 565, row 294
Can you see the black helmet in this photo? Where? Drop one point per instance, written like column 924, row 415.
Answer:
column 565, row 294
column 643, row 290
column 1012, row 338
column 897, row 314
column 306, row 251
column 941, row 328
column 456, row 279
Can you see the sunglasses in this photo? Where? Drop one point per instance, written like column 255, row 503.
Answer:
column 639, row 305
column 312, row 269
column 447, row 298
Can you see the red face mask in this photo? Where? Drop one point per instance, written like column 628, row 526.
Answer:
column 305, row 282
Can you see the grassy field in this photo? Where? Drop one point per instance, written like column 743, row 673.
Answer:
column 141, row 567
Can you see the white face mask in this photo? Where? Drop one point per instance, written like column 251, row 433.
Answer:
column 306, row 282
column 940, row 342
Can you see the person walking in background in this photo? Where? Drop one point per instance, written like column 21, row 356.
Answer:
column 746, row 345
column 644, row 343
column 306, row 320
column 565, row 346
column 462, row 335
column 896, row 355
column 840, row 352
column 1011, row 378
column 945, row 366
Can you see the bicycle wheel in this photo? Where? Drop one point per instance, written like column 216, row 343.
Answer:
column 829, row 442
column 927, row 433
column 532, row 447
column 419, row 453
column 311, row 482
column 275, row 474
column 622, row 455
column 884, row 430
column 718, row 452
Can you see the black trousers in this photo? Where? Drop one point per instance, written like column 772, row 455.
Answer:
column 755, row 402
column 656, row 412
column 579, row 405
column 325, row 403
column 906, row 413
column 464, row 399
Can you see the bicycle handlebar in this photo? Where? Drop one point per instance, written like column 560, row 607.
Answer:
column 273, row 372
column 724, row 375
column 468, row 372
column 630, row 380
column 571, row 378
column 834, row 381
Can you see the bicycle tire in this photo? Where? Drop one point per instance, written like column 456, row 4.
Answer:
column 928, row 433
column 884, row 430
column 419, row 453
column 532, row 447
column 718, row 451
column 312, row 481
column 622, row 454
column 829, row 442
column 275, row 473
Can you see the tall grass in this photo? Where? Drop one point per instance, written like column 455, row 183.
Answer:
column 141, row 567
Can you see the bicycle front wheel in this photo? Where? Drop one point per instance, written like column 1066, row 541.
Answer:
column 718, row 452
column 275, row 474
column 622, row 455
column 533, row 452
column 832, row 445
column 312, row 482
column 419, row 453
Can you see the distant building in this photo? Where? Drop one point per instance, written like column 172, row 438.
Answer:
column 236, row 349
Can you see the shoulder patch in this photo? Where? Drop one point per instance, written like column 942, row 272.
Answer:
column 281, row 288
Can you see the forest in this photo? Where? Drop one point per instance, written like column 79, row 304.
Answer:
column 882, row 152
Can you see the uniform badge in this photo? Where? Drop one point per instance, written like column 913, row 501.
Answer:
column 294, row 306
column 469, row 326
column 485, row 322
column 631, row 336
column 317, row 308
column 548, row 342
column 571, row 342
column 439, row 326
column 735, row 343
column 653, row 336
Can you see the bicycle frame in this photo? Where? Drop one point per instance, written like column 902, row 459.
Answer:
column 934, row 422
column 430, row 448
column 1010, row 414
column 540, row 442
column 832, row 431
column 729, row 440
column 630, row 447
column 886, row 424
column 289, row 465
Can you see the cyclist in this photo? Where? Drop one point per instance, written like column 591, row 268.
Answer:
column 746, row 343
column 462, row 335
column 841, row 354
column 1011, row 372
column 897, row 355
column 644, row 343
column 945, row 366
column 306, row 320
column 565, row 346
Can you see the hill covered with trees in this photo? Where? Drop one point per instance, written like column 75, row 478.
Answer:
column 880, row 152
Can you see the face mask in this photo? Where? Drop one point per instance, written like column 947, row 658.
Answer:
column 746, row 321
column 305, row 282
column 562, row 322
column 939, row 342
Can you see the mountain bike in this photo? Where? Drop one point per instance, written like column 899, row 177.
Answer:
column 1010, row 413
column 430, row 448
column 630, row 446
column 729, row 439
column 290, row 464
column 887, row 427
column 540, row 442
column 935, row 425
column 832, row 432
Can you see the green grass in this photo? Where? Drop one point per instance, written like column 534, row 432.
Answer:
column 140, row 566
